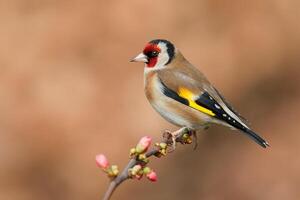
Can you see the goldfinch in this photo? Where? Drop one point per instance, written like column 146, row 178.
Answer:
column 182, row 95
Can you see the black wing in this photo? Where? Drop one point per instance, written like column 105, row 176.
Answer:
column 208, row 102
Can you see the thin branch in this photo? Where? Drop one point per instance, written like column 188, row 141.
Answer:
column 169, row 138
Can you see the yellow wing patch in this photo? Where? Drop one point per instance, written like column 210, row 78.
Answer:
column 188, row 95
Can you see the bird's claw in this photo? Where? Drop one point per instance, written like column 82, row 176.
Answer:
column 188, row 137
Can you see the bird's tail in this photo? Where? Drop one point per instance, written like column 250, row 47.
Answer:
column 247, row 131
column 255, row 137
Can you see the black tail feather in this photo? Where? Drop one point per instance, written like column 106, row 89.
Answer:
column 255, row 137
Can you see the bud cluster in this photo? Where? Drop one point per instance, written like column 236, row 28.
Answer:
column 141, row 148
column 102, row 162
column 187, row 139
column 162, row 149
column 138, row 171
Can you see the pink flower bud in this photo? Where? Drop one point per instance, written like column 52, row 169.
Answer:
column 102, row 161
column 143, row 144
column 152, row 176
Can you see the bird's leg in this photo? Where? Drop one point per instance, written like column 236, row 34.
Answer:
column 195, row 138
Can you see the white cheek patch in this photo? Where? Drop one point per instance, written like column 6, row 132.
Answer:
column 163, row 57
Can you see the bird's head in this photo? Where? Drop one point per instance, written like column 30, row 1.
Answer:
column 156, row 54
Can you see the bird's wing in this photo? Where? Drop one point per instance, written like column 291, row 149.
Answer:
column 190, row 87
column 184, row 89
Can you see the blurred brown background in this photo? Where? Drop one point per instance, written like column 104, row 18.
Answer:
column 68, row 92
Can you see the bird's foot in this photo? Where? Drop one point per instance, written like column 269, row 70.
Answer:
column 183, row 136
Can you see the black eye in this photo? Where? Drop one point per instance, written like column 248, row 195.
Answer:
column 153, row 54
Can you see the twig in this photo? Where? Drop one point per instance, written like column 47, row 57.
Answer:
column 178, row 136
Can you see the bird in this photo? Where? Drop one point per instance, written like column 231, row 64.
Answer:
column 182, row 94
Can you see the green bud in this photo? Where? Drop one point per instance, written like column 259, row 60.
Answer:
column 142, row 157
column 163, row 145
column 115, row 170
column 185, row 136
column 136, row 169
column 132, row 152
column 147, row 170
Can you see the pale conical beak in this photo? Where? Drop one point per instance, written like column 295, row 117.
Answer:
column 140, row 58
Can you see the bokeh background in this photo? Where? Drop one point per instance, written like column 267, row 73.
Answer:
column 68, row 92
